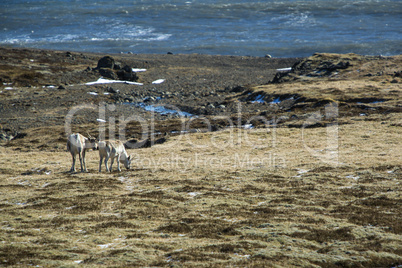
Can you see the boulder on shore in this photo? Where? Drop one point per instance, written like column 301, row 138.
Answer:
column 107, row 67
column 106, row 62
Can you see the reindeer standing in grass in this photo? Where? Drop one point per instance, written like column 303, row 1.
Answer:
column 111, row 150
column 78, row 144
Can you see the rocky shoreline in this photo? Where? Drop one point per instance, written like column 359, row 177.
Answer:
column 39, row 88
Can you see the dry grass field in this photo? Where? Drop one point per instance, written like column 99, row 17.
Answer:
column 229, row 198
column 316, row 182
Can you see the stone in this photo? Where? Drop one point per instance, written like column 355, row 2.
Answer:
column 4, row 136
column 127, row 74
column 108, row 73
column 117, row 66
column 149, row 99
column 106, row 62
column 282, row 119
column 112, row 90
column 129, row 98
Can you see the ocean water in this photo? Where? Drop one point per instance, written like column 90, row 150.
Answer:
column 279, row 28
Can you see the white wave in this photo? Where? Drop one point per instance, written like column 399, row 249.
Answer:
column 296, row 19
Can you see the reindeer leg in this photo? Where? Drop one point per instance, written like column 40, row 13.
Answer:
column 111, row 163
column 83, row 161
column 106, row 159
column 73, row 166
column 118, row 163
column 82, row 170
column 100, row 164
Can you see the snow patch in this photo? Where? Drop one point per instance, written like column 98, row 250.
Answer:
column 193, row 194
column 107, row 81
column 248, row 126
column 105, row 245
column 159, row 81
column 137, row 70
column 288, row 69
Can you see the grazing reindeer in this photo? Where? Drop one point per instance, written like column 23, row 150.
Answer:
column 112, row 150
column 78, row 144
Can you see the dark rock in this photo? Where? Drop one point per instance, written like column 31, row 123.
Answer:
column 146, row 143
column 9, row 137
column 238, row 89
column 127, row 74
column 117, row 66
column 106, row 62
column 4, row 136
column 318, row 65
column 128, row 69
column 61, row 87
column 19, row 136
column 279, row 78
column 112, row 90
column 108, row 73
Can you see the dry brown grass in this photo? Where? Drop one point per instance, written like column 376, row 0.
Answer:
column 229, row 198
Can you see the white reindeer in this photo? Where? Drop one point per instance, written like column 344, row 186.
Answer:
column 112, row 150
column 78, row 144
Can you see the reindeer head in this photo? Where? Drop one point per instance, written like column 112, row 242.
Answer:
column 91, row 142
column 127, row 162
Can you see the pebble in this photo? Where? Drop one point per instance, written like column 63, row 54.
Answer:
column 112, row 90
column 129, row 98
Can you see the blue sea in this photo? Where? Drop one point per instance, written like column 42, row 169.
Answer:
column 256, row 28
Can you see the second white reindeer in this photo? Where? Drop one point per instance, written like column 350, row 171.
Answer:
column 111, row 150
